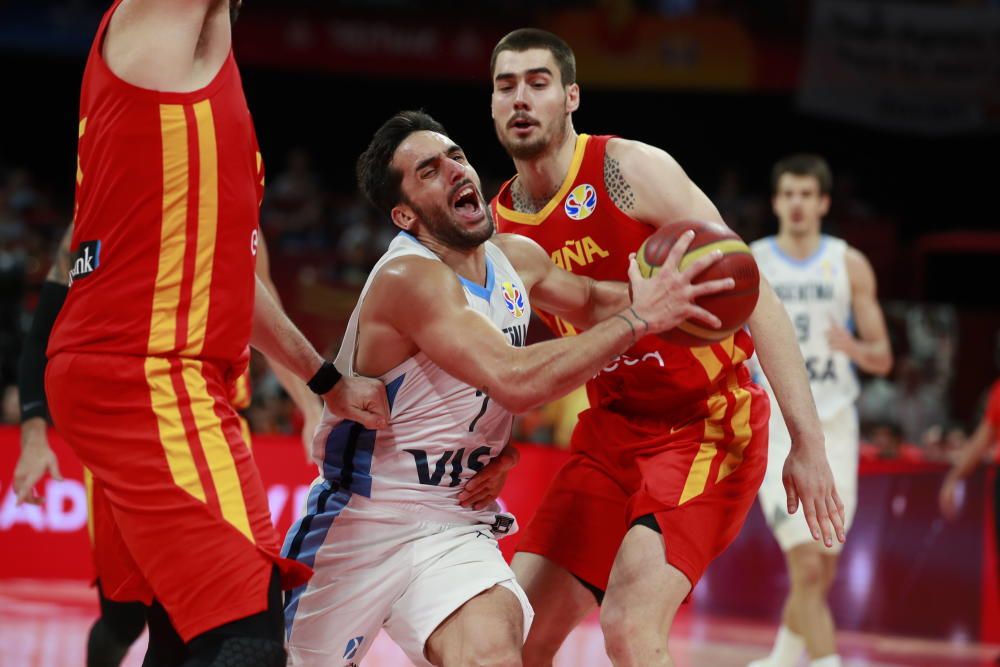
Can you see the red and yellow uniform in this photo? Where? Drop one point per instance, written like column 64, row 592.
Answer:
column 676, row 432
column 153, row 334
column 992, row 414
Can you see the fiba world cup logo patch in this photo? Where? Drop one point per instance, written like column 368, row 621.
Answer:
column 513, row 298
column 581, row 201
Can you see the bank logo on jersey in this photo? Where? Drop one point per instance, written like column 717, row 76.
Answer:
column 513, row 298
column 581, row 202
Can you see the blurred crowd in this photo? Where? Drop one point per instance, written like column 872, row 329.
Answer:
column 336, row 237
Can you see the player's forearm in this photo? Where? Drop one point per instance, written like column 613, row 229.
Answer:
column 974, row 451
column 874, row 357
column 543, row 372
column 305, row 400
column 279, row 339
column 606, row 299
column 782, row 363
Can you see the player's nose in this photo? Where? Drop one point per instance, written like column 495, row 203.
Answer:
column 521, row 95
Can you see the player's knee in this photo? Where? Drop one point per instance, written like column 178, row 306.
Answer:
column 104, row 648
column 620, row 626
column 808, row 573
column 236, row 652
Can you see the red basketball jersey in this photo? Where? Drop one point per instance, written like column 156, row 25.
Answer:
column 586, row 233
column 168, row 187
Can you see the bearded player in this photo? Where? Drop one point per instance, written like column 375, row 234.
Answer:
column 666, row 463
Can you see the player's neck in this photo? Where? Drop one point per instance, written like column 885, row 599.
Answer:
column 540, row 178
column 799, row 246
column 470, row 264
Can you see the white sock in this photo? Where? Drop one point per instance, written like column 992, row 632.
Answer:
column 788, row 647
column 832, row 660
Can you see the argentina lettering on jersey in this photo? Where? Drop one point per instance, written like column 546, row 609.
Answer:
column 816, row 292
column 441, row 431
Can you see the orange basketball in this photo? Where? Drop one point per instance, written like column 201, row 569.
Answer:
column 733, row 306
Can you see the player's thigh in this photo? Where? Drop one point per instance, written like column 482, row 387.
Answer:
column 460, row 639
column 580, row 522
column 453, row 567
column 361, row 567
column 560, row 600
column 644, row 589
column 165, row 447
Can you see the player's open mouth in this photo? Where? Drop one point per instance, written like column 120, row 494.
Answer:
column 522, row 125
column 467, row 203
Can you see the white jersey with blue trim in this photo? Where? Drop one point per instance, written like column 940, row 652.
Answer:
column 441, row 430
column 816, row 292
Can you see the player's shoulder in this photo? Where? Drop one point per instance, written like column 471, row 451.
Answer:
column 525, row 255
column 855, row 260
column 763, row 244
column 515, row 244
column 642, row 163
column 415, row 277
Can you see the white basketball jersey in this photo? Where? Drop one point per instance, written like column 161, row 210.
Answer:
column 441, row 431
column 816, row 292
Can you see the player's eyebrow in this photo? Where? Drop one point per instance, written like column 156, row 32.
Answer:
column 427, row 161
column 533, row 70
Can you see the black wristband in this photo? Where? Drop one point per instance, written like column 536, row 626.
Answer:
column 325, row 378
column 31, row 367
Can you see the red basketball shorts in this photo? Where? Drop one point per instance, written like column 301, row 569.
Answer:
column 697, row 475
column 180, row 513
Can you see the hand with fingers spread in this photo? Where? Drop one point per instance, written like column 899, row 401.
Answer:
column 668, row 297
column 359, row 399
column 36, row 459
column 486, row 486
column 809, row 482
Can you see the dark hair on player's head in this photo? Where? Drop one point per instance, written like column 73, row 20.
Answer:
column 804, row 164
column 524, row 39
column 377, row 179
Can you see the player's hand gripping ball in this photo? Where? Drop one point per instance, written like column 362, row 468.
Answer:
column 733, row 306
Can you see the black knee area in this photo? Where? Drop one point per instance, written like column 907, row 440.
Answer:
column 104, row 649
column 166, row 648
column 649, row 521
column 238, row 652
column 123, row 620
column 253, row 641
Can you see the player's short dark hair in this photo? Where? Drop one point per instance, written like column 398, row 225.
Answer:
column 377, row 179
column 523, row 39
column 804, row 164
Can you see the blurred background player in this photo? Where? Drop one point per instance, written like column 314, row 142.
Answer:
column 828, row 289
column 671, row 453
column 976, row 451
column 161, row 307
column 119, row 623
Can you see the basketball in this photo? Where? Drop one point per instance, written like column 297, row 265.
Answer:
column 733, row 306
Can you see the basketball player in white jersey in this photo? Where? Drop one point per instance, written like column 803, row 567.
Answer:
column 827, row 286
column 442, row 322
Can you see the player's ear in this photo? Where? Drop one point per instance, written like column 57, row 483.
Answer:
column 824, row 205
column 403, row 217
column 572, row 97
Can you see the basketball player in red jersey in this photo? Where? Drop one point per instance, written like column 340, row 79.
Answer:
column 667, row 461
column 119, row 623
column 161, row 306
